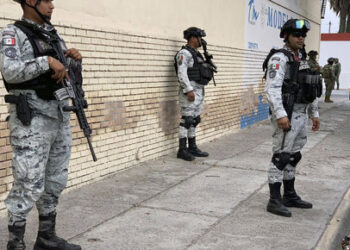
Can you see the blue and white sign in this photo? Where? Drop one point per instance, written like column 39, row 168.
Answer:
column 264, row 20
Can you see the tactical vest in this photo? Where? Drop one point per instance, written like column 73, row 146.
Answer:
column 327, row 72
column 200, row 72
column 301, row 81
column 43, row 85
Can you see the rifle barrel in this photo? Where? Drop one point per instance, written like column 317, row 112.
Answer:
column 91, row 149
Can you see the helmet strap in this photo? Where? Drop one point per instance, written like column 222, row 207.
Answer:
column 199, row 41
column 43, row 17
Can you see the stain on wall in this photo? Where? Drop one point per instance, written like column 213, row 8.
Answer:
column 168, row 116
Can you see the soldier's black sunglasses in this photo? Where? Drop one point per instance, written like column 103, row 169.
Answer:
column 298, row 34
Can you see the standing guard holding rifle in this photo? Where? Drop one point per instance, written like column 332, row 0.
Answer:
column 194, row 73
column 292, row 90
column 35, row 72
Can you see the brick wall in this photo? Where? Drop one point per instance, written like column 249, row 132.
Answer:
column 131, row 87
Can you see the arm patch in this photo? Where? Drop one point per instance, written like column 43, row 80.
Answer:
column 11, row 52
column 272, row 74
column 8, row 41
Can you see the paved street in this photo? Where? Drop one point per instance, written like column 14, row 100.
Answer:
column 213, row 203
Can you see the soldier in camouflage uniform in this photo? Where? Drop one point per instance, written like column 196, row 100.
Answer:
column 287, row 145
column 314, row 66
column 337, row 70
column 329, row 79
column 40, row 131
column 191, row 93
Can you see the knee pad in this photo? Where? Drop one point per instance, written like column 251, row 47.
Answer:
column 295, row 158
column 280, row 160
column 187, row 121
column 196, row 121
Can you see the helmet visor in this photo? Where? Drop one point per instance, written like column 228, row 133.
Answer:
column 299, row 24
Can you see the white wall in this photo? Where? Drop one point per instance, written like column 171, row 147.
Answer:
column 338, row 49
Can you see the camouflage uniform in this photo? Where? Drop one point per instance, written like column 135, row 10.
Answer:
column 184, row 61
column 337, row 70
column 314, row 66
column 296, row 138
column 41, row 151
column 329, row 79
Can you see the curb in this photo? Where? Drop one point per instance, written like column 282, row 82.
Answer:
column 338, row 227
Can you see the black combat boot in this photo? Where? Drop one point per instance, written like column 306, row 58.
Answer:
column 194, row 150
column 47, row 239
column 16, row 241
column 275, row 204
column 290, row 197
column 183, row 152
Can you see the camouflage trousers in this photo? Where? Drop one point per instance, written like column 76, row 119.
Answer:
column 329, row 88
column 193, row 109
column 337, row 81
column 295, row 140
column 41, row 153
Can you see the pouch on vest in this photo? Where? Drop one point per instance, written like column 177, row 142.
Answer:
column 327, row 73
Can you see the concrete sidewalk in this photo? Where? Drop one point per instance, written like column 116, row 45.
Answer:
column 214, row 203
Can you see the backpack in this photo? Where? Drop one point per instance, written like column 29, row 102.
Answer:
column 327, row 72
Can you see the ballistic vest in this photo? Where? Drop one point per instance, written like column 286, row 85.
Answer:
column 301, row 81
column 200, row 72
column 43, row 85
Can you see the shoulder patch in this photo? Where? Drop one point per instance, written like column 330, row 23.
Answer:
column 11, row 41
column 274, row 66
column 11, row 52
column 272, row 74
column 8, row 33
column 179, row 59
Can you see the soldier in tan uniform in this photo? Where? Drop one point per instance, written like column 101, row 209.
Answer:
column 329, row 79
column 337, row 70
column 314, row 66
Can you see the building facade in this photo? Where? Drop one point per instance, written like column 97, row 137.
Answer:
column 129, row 78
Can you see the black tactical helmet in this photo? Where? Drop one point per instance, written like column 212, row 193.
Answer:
column 312, row 53
column 330, row 60
column 193, row 32
column 295, row 25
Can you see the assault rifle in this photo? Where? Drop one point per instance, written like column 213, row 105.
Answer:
column 75, row 92
column 71, row 89
column 209, row 59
